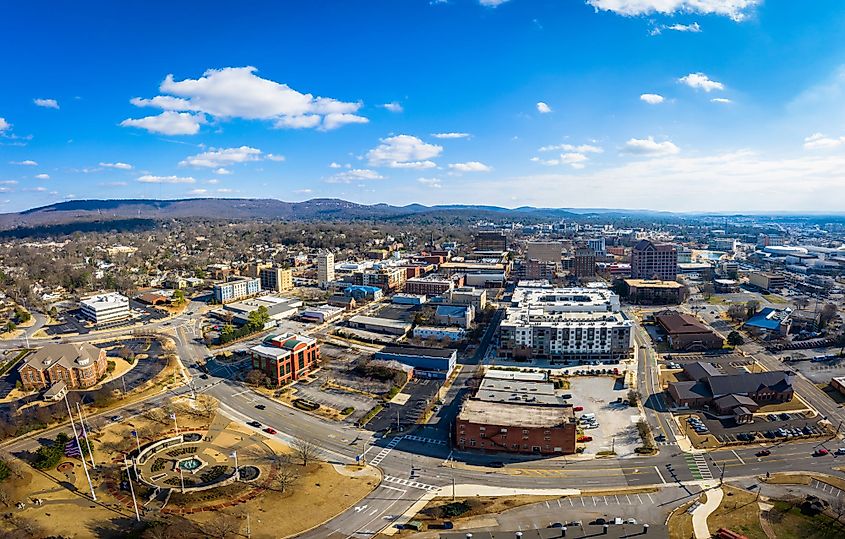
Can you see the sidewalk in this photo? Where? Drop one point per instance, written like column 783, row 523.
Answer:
column 699, row 516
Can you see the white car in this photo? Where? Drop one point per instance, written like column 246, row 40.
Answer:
column 840, row 451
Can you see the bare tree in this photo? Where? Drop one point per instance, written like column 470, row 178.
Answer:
column 285, row 475
column 305, row 450
column 222, row 526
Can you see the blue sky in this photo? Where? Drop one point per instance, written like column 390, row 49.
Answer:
column 681, row 105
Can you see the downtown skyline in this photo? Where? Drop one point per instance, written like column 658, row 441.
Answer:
column 712, row 105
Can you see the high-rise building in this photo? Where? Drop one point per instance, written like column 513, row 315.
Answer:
column 654, row 261
column 598, row 245
column 276, row 279
column 585, row 262
column 491, row 240
column 544, row 251
column 325, row 268
column 254, row 269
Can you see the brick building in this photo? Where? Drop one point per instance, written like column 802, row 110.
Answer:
column 685, row 332
column 516, row 415
column 654, row 261
column 77, row 365
column 285, row 358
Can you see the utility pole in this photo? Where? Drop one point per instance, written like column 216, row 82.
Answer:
column 79, row 445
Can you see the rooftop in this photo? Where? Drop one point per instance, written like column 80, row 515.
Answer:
column 515, row 415
column 646, row 283
column 676, row 323
column 440, row 353
column 67, row 355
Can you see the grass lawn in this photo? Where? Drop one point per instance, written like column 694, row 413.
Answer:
column 475, row 506
column 790, row 523
column 739, row 513
column 680, row 522
column 790, row 406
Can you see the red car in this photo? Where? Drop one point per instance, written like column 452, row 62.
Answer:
column 270, row 430
column 585, row 439
column 821, row 452
column 763, row 453
column 578, row 409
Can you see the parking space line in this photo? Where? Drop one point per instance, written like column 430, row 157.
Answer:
column 629, row 499
column 656, row 469
column 558, row 502
column 594, row 501
column 649, row 497
column 738, row 457
column 638, row 497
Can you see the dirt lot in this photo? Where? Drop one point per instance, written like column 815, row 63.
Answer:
column 617, row 422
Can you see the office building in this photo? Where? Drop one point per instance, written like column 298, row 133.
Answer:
column 390, row 279
column 380, row 325
column 285, row 358
column 75, row 366
column 647, row 292
column 105, row 308
column 534, row 269
column 584, row 263
column 322, row 313
column 254, row 269
column 544, row 251
column 491, row 240
column 431, row 285
column 325, row 269
column 767, row 281
column 276, row 279
column 439, row 333
column 570, row 324
column 466, row 295
column 654, row 261
column 236, row 289
column 277, row 308
column 598, row 245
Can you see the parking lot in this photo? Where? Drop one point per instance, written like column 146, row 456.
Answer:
column 336, row 398
column 819, row 372
column 763, row 428
column 616, row 429
column 420, row 392
column 72, row 321
column 729, row 363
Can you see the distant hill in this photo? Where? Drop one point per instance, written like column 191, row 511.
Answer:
column 80, row 211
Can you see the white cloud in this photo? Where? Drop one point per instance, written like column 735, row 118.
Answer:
column 4, row 125
column 652, row 99
column 218, row 157
column 9, row 182
column 335, row 165
column 543, row 108
column 434, row 183
column 404, row 151
column 213, row 181
column 492, row 3
column 393, row 106
column 26, row 163
column 114, row 184
column 650, row 147
column 38, row 189
column 470, row 166
column 42, row 176
column 734, row 9
column 721, row 100
column 168, row 123
column 580, row 148
column 46, row 103
column 198, row 191
column 573, row 159
column 700, row 81
column 355, row 174
column 275, row 157
column 118, row 165
column 225, row 190
column 692, row 28
column 237, row 92
column 148, row 178
column 303, row 191
column 222, row 171
column 818, row 141
column 450, row 135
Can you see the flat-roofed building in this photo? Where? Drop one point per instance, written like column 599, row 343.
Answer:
column 431, row 285
column 584, row 262
column 322, row 313
column 491, row 240
column 285, row 358
column 77, row 366
column 277, row 308
column 467, row 295
column 380, row 325
column 571, row 324
column 767, row 281
column 105, row 308
column 235, row 289
column 654, row 261
column 440, row 333
column 427, row 362
column 516, row 416
column 651, row 292
column 276, row 279
column 325, row 269
column 544, row 251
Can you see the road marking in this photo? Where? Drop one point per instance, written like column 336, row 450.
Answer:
column 738, row 457
column 638, row 497
column 548, row 506
column 656, row 469
column 394, row 488
column 649, row 497
column 605, row 500
column 582, row 503
column 571, row 503
column 558, row 502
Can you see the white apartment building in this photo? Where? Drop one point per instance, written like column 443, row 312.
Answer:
column 572, row 324
column 325, row 268
column 105, row 308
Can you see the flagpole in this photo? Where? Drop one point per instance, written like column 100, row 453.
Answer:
column 237, row 473
column 138, row 444
column 85, row 435
column 79, row 445
column 132, row 490
column 173, row 415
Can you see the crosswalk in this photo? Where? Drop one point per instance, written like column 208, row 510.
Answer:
column 424, row 440
column 385, row 450
column 410, row 483
column 698, row 466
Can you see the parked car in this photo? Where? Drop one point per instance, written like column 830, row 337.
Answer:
column 840, row 451
column 784, row 416
column 270, row 430
column 497, row 465
column 772, row 417
column 260, row 406
column 763, row 453
column 566, row 396
column 821, row 452
column 578, row 409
